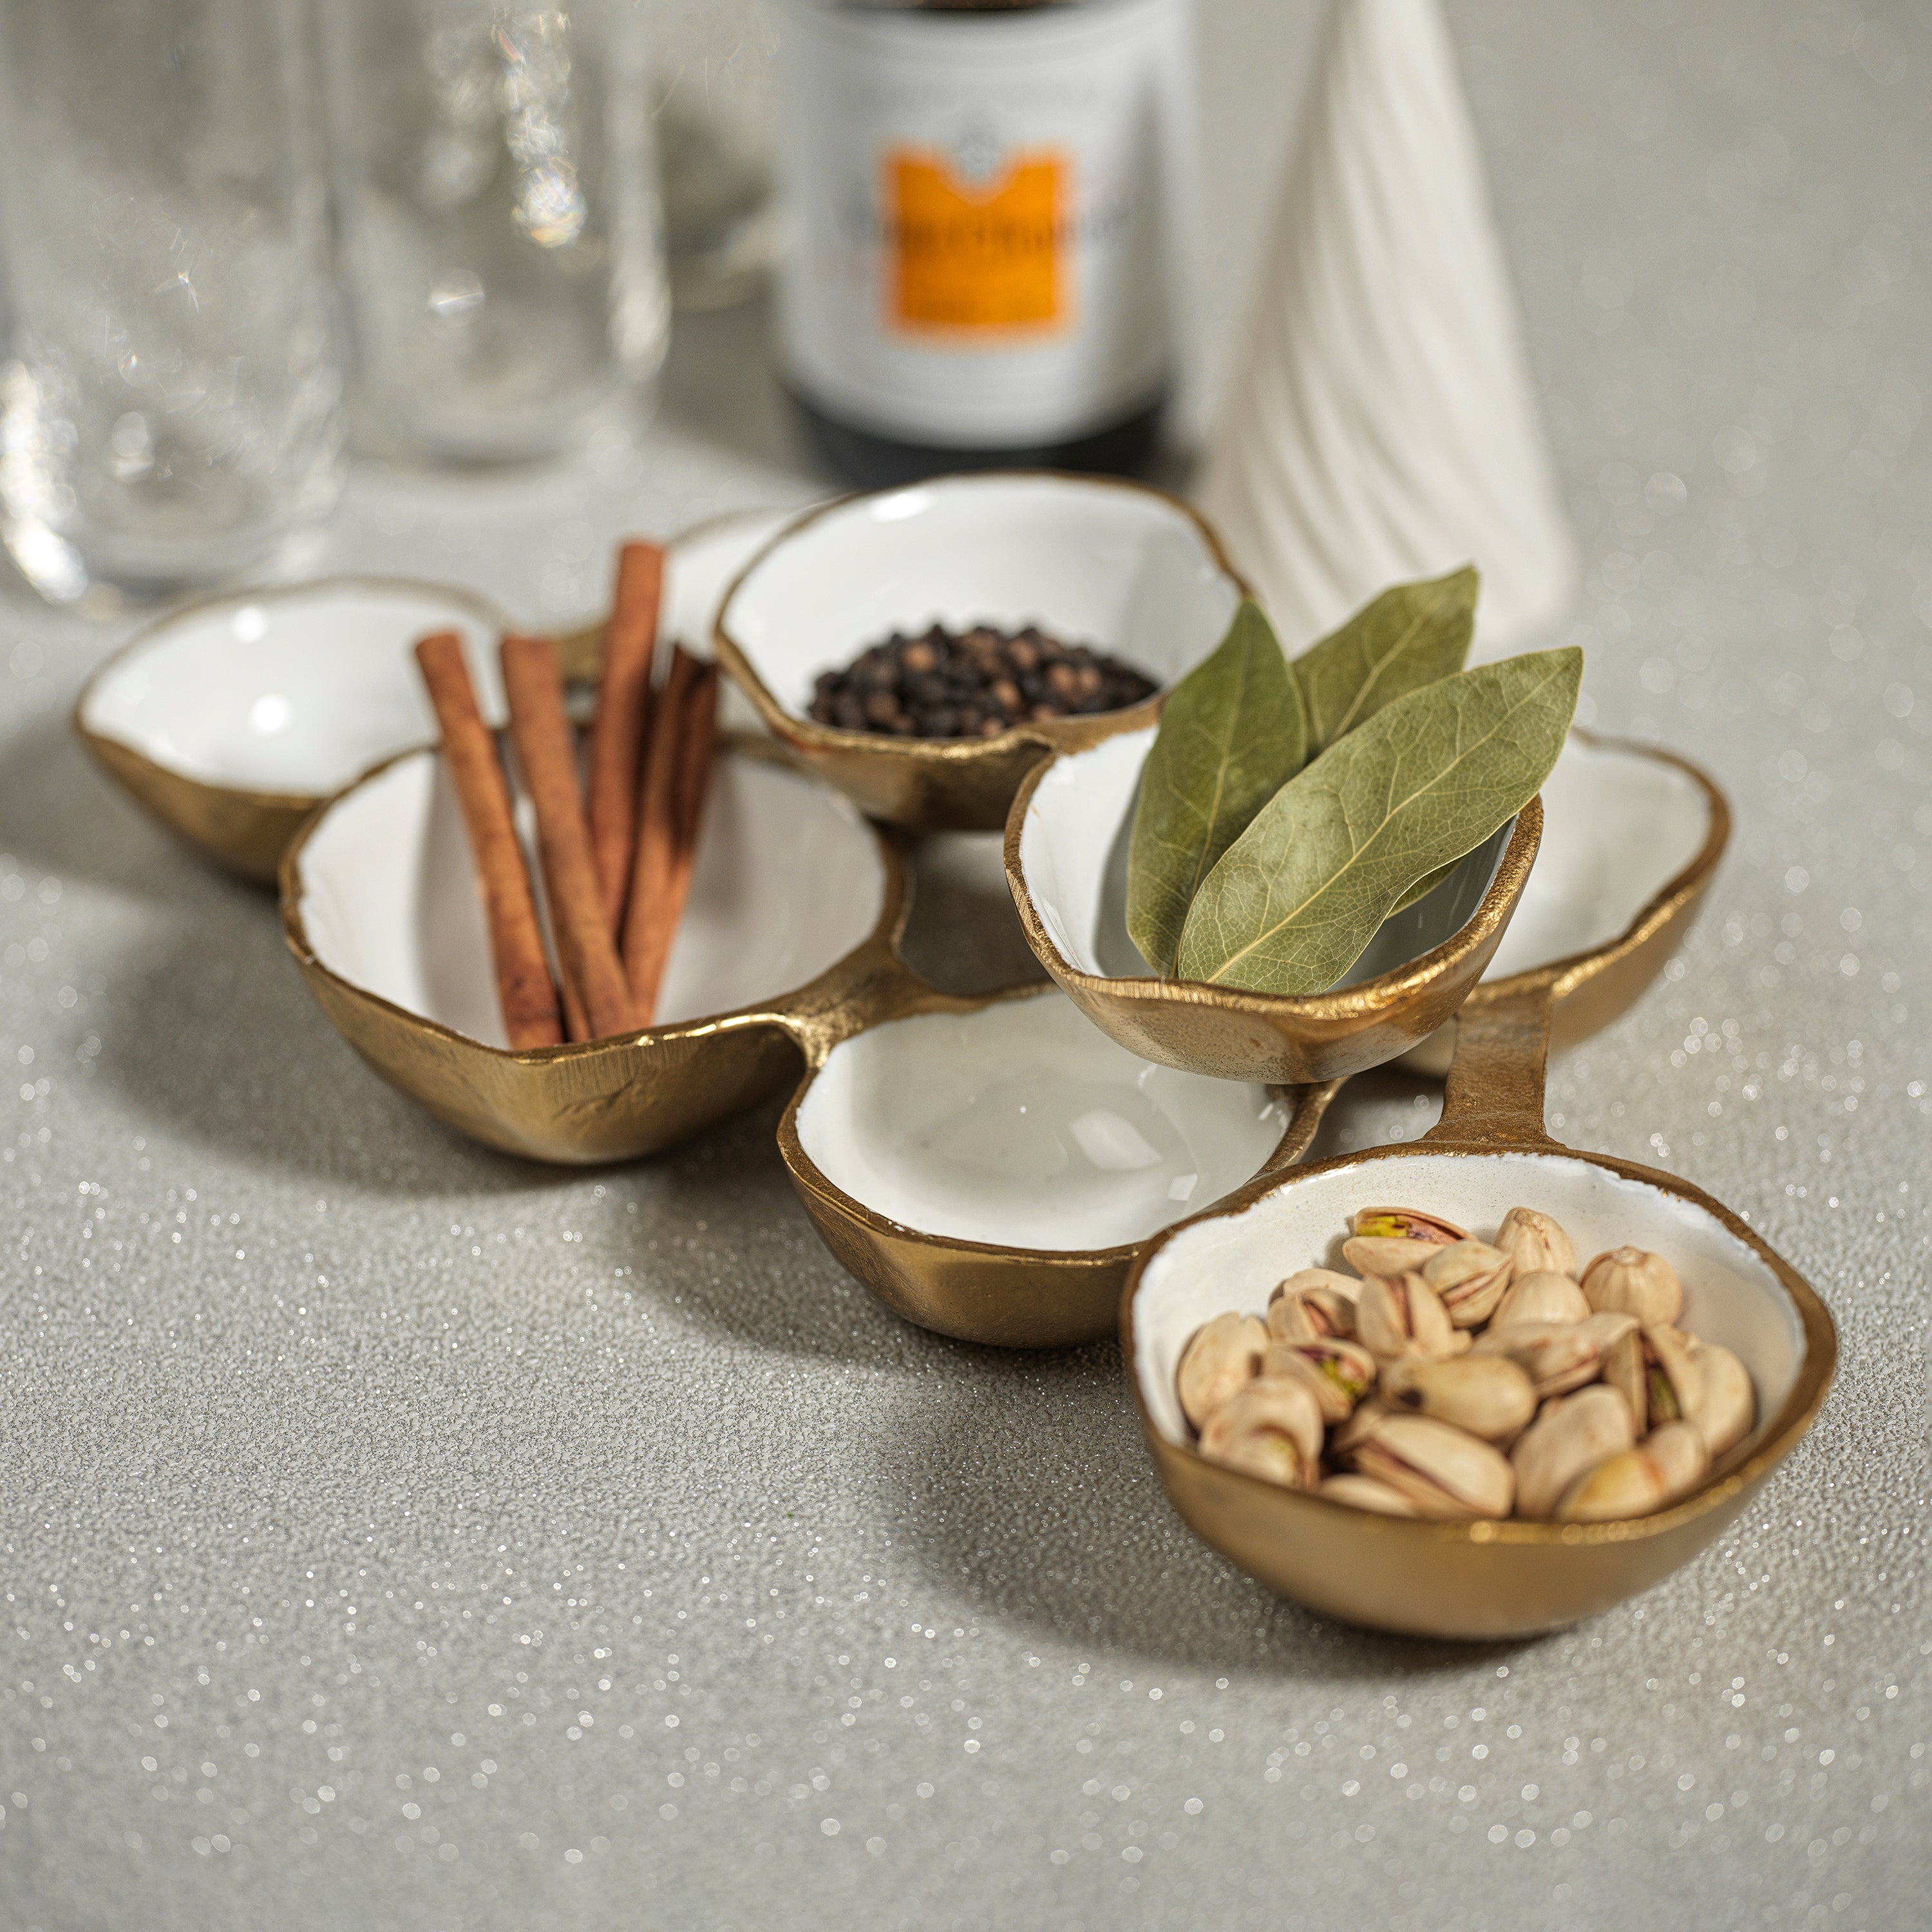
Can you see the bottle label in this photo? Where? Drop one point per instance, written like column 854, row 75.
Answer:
column 981, row 215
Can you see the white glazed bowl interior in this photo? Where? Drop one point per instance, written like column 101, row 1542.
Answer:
column 1073, row 858
column 1234, row 1261
column 788, row 879
column 1023, row 1126
column 292, row 691
column 1090, row 562
column 1617, row 828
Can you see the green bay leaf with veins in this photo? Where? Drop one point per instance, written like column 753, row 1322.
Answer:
column 1411, row 635
column 1297, row 896
column 1231, row 735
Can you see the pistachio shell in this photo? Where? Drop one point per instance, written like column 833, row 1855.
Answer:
column 1680, row 1453
column 1556, row 1356
column 1470, row 1277
column 1535, row 1244
column 1370, row 1413
column 1364, row 1492
column 1632, row 1281
column 1628, row 1483
column 1444, row 1472
column 1270, row 1428
column 1385, row 1254
column 1723, row 1404
column 1670, row 1376
column 1220, row 1356
column 1401, row 1314
column 1572, row 1435
column 1317, row 1301
column 1338, row 1372
column 1487, row 1395
column 1626, row 1368
column 1543, row 1296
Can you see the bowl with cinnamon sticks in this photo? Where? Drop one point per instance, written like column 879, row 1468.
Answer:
column 923, row 648
column 585, row 951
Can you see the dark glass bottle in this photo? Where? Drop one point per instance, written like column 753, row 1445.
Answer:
column 981, row 206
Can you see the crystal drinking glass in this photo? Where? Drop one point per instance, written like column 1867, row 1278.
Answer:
column 500, row 220
column 170, row 397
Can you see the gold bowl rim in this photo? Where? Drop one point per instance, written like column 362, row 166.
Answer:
column 1564, row 975
column 783, row 1009
column 808, row 734
column 1726, row 1481
column 1338, row 1005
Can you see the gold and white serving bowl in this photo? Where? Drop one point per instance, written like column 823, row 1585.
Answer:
column 1089, row 560
column 793, row 898
column 1490, row 1153
column 1065, row 862
column 231, row 719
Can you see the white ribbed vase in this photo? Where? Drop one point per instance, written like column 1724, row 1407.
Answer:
column 1382, row 424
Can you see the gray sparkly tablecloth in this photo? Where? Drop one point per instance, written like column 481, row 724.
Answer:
column 395, row 1535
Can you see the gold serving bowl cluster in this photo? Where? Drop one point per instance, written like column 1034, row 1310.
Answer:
column 1184, row 1101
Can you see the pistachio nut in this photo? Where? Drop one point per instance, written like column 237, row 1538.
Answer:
column 1679, row 1451
column 1633, row 1281
column 1364, row 1492
column 1542, row 1296
column 1317, row 1301
column 1556, row 1356
column 1628, row 1483
column 1651, row 1368
column 1269, row 1427
column 1487, row 1395
column 1220, row 1356
column 1535, row 1244
column 1401, row 1314
column 1724, row 1403
column 1445, row 1472
column 1392, row 1241
column 1411, row 1224
column 1470, row 1277
column 1571, row 1435
column 1338, row 1372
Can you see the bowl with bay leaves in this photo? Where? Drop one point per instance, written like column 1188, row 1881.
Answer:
column 1304, row 869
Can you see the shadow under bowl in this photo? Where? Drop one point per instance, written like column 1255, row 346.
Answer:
column 1097, row 561
column 1066, row 860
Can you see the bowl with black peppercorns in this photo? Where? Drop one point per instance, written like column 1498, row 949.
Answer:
column 923, row 648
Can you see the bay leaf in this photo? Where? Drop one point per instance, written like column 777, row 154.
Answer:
column 1412, row 634
column 1231, row 734
column 1298, row 896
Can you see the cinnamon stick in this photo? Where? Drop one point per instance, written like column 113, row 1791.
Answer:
column 524, row 987
column 647, row 937
column 592, row 975
column 623, row 714
column 699, row 750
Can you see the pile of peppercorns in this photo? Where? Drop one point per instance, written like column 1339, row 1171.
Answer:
column 971, row 684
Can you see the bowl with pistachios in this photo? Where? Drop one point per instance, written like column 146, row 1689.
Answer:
column 1480, row 1386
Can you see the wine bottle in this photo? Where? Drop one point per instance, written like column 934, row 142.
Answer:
column 981, row 207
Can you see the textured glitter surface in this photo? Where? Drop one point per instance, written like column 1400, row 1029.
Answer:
column 396, row 1535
